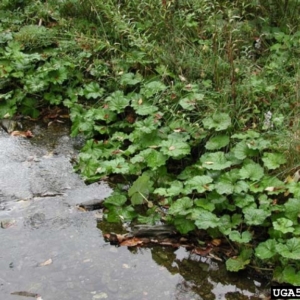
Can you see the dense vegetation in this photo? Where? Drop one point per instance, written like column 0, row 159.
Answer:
column 190, row 104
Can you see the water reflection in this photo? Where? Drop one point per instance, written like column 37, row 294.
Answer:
column 197, row 277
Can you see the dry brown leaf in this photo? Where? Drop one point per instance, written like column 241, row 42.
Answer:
column 131, row 242
column 46, row 263
column 27, row 134
column 201, row 251
column 216, row 242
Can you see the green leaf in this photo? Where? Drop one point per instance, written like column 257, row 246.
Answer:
column 198, row 183
column 117, row 166
column 242, row 238
column 266, row 250
column 155, row 159
column 175, row 148
column 92, row 90
column 251, row 170
column 190, row 102
column 117, row 101
column 174, row 190
column 242, row 150
column 217, row 142
column 140, row 189
column 204, row 219
column 244, row 200
column 291, row 249
column 130, row 79
column 181, row 206
column 147, row 125
column 205, row 203
column 225, row 224
column 236, row 264
column 215, row 161
column 115, row 199
column 143, row 107
column 273, row 160
column 255, row 216
column 152, row 88
column 290, row 275
column 218, row 121
column 292, row 209
column 240, row 262
column 184, row 225
column 294, row 187
column 121, row 214
column 226, row 182
column 283, row 225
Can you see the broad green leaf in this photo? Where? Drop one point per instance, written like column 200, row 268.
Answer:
column 258, row 144
column 291, row 249
column 174, row 190
column 241, row 186
column 198, row 183
column 155, row 159
column 146, row 126
column 225, row 224
column 217, row 142
column 224, row 187
column 255, row 216
column 118, row 166
column 130, row 79
column 236, row 264
column 252, row 171
column 204, row 219
column 290, row 275
column 116, row 199
column 145, row 109
column 226, row 182
column 153, row 218
column 218, row 121
column 121, row 214
column 294, row 187
column 188, row 172
column 92, row 90
column 117, row 101
column 268, row 184
column 242, row 150
column 181, row 206
column 292, row 209
column 140, row 189
column 242, row 238
column 215, row 161
column 205, row 203
column 273, row 160
column 283, row 225
column 240, row 262
column 244, row 200
column 175, row 148
column 266, row 250
column 184, row 225
column 104, row 114
column 190, row 102
column 152, row 88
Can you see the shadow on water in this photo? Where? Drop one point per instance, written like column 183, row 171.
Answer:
column 51, row 248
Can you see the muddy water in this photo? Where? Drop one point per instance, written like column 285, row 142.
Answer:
column 51, row 248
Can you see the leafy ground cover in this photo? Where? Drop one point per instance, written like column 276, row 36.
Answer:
column 190, row 107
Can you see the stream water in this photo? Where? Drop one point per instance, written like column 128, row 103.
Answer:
column 52, row 250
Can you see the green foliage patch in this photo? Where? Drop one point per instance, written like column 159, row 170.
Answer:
column 191, row 105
